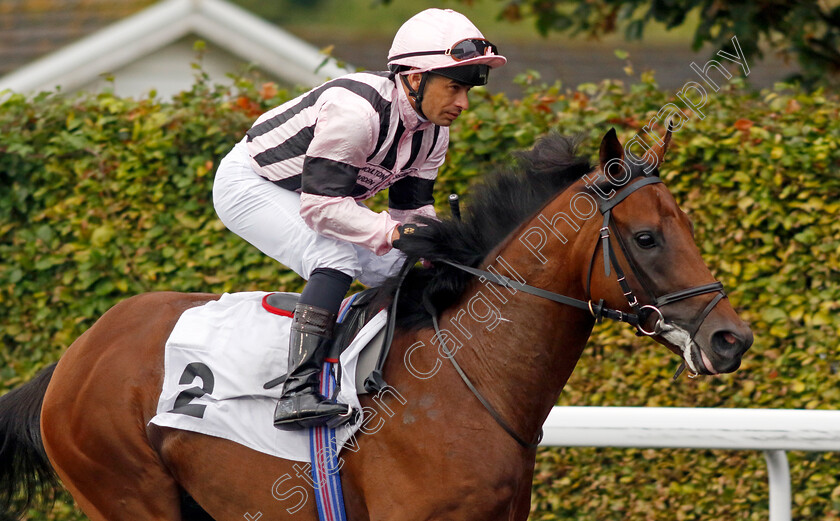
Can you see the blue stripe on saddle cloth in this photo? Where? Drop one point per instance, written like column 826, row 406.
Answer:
column 322, row 445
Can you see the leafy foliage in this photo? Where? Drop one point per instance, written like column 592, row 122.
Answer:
column 102, row 198
column 806, row 30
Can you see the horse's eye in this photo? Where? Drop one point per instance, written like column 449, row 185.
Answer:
column 645, row 240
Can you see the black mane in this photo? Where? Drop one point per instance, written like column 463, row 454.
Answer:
column 496, row 207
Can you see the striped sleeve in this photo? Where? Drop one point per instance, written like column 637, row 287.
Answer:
column 343, row 219
column 346, row 132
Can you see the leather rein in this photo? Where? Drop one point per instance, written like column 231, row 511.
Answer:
column 640, row 313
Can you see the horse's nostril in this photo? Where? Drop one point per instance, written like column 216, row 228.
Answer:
column 727, row 344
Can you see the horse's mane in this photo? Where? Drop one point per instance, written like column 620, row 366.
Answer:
column 501, row 202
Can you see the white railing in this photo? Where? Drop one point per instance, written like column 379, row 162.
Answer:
column 773, row 431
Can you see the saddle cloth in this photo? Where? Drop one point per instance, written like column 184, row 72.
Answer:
column 217, row 359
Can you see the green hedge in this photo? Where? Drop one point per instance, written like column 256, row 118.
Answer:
column 103, row 197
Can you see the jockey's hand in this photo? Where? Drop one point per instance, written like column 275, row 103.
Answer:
column 404, row 230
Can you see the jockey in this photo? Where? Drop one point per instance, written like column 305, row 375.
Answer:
column 293, row 186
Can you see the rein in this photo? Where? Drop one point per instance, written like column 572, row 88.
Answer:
column 597, row 311
column 490, row 409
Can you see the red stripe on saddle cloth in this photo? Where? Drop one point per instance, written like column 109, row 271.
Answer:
column 277, row 311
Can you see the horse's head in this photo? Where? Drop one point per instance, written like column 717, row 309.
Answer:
column 645, row 241
column 646, row 238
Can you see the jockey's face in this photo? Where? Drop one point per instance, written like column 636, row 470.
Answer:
column 443, row 98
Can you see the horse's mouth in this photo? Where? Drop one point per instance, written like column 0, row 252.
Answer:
column 706, row 363
column 694, row 357
column 697, row 361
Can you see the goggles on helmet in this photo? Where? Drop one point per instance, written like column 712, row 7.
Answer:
column 462, row 50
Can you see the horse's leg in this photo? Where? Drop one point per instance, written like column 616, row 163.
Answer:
column 232, row 482
column 134, row 487
column 102, row 395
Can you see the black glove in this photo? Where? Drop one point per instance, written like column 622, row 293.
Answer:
column 407, row 230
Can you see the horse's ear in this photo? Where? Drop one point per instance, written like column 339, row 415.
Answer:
column 610, row 148
column 660, row 149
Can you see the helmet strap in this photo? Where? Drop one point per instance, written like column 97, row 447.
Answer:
column 417, row 94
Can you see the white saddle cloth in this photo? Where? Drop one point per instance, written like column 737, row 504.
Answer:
column 217, row 360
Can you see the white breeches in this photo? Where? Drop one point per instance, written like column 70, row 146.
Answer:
column 268, row 217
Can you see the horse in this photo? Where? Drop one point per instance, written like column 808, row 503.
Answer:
column 487, row 333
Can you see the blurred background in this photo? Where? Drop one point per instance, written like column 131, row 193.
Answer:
column 359, row 33
column 106, row 193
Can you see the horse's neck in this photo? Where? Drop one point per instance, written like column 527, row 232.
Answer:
column 523, row 348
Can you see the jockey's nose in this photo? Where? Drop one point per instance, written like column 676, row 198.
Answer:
column 462, row 101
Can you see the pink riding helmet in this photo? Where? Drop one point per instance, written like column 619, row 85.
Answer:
column 437, row 39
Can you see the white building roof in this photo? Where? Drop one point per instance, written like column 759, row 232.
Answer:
column 220, row 23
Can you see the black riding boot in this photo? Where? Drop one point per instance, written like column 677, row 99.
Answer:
column 302, row 405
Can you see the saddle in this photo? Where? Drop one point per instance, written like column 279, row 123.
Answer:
column 360, row 311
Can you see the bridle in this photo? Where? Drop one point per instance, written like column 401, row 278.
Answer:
column 640, row 313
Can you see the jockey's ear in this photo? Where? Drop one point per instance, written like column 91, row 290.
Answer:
column 414, row 80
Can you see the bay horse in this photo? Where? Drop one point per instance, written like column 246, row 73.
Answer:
column 440, row 449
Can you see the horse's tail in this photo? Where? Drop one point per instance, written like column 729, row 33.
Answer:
column 25, row 471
